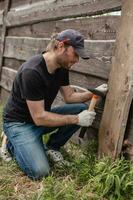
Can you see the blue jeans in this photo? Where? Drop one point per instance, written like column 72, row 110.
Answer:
column 26, row 145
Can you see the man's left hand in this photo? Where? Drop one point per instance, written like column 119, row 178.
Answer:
column 102, row 88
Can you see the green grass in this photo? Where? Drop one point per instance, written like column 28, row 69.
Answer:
column 87, row 178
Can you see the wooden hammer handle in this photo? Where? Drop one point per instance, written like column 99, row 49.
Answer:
column 91, row 108
column 93, row 102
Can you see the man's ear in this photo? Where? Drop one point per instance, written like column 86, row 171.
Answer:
column 60, row 44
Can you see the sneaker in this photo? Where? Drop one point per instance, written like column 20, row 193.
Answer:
column 5, row 155
column 57, row 158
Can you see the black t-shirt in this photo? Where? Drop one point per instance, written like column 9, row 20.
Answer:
column 33, row 82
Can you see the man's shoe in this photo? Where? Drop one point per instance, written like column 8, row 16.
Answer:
column 5, row 155
column 57, row 158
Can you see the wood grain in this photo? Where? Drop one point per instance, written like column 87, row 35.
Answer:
column 44, row 11
column 94, row 28
column 99, row 50
column 120, row 93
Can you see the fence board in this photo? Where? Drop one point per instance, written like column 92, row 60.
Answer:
column 2, row 4
column 1, row 17
column 12, row 63
column 0, row 46
column 120, row 95
column 3, row 32
column 3, row 95
column 84, row 80
column 17, row 3
column 43, row 11
column 7, row 78
column 24, row 47
column 9, row 74
column 99, row 65
column 104, row 27
column 94, row 67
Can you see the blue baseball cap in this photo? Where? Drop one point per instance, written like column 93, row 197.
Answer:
column 75, row 39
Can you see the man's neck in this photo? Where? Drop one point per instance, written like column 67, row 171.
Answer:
column 51, row 63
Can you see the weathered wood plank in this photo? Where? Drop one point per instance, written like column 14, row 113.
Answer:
column 0, row 46
column 52, row 10
column 94, row 67
column 102, row 28
column 3, row 96
column 120, row 93
column 18, row 3
column 2, row 4
column 85, row 81
column 100, row 48
column 22, row 48
column 1, row 17
column 0, row 30
column 6, row 8
column 7, row 78
column 12, row 63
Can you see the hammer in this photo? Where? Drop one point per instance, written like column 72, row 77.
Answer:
column 95, row 97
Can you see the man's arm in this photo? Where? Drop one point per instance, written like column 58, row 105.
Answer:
column 49, row 119
column 70, row 96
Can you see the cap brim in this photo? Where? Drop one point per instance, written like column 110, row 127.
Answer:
column 82, row 53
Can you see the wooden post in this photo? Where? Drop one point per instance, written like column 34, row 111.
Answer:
column 7, row 5
column 120, row 93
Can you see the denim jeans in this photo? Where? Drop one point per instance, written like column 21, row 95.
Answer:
column 26, row 145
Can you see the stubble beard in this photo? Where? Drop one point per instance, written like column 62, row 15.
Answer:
column 62, row 62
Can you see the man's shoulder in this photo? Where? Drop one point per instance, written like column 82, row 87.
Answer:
column 32, row 62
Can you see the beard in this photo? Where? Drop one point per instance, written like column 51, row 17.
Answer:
column 62, row 61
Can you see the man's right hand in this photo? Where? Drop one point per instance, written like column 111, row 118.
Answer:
column 86, row 118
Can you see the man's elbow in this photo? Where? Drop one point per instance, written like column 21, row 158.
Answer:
column 67, row 100
column 37, row 122
column 38, row 119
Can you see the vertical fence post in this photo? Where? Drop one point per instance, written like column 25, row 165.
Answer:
column 120, row 93
column 3, row 34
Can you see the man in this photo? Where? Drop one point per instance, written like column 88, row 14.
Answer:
column 28, row 114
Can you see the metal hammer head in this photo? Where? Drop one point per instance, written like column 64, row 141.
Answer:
column 97, row 92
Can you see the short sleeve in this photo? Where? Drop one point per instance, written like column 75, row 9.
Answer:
column 31, row 85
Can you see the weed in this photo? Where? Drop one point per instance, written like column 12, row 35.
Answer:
column 87, row 179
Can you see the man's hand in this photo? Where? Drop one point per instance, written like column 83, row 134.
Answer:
column 102, row 88
column 86, row 118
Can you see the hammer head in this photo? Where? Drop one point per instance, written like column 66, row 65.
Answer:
column 97, row 92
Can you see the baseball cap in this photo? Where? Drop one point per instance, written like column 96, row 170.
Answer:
column 75, row 39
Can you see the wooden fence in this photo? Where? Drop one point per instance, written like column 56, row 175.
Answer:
column 26, row 27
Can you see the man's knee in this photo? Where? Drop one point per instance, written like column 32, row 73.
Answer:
column 39, row 173
column 78, row 107
column 83, row 106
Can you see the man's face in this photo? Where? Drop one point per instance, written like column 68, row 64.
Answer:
column 67, row 57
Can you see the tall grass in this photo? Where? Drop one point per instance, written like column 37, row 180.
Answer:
column 87, row 179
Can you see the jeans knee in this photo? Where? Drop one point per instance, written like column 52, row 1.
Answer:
column 39, row 173
column 83, row 106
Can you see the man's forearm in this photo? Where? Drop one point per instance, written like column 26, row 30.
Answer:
column 52, row 119
column 79, row 97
